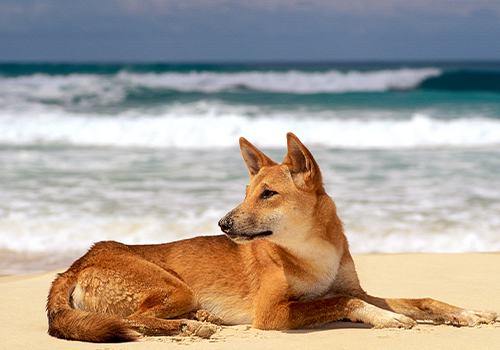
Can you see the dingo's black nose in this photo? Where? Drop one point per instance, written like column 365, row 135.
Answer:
column 226, row 224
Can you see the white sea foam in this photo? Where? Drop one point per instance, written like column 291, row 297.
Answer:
column 58, row 234
column 56, row 201
column 210, row 127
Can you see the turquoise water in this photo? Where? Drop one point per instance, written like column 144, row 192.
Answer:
column 148, row 153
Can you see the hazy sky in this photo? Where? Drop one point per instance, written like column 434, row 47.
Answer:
column 248, row 30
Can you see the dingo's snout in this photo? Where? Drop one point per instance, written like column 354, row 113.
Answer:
column 242, row 229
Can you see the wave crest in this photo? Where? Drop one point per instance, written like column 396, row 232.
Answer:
column 105, row 90
column 292, row 81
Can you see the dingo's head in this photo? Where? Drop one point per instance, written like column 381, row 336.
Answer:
column 282, row 200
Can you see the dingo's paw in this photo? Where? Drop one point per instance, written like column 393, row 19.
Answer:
column 200, row 329
column 205, row 316
column 471, row 318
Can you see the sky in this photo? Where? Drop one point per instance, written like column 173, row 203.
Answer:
column 248, row 30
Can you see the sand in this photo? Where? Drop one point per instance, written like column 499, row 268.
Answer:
column 469, row 280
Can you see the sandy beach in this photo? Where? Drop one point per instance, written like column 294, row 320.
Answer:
column 470, row 280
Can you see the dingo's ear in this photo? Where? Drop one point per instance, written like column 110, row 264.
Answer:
column 304, row 169
column 254, row 159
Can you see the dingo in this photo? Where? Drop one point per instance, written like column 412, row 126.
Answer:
column 283, row 263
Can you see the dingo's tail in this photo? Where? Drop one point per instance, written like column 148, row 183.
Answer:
column 69, row 323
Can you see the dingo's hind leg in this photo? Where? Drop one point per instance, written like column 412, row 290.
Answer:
column 150, row 299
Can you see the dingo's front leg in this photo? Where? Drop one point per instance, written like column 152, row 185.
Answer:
column 302, row 314
column 380, row 318
column 427, row 309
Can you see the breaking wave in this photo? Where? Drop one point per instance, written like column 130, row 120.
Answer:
column 184, row 129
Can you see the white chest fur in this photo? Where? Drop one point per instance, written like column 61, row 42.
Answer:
column 321, row 262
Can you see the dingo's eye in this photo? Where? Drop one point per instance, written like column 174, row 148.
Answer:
column 268, row 194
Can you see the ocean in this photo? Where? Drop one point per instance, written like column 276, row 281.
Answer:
column 148, row 153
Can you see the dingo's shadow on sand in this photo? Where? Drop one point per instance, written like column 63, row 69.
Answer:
column 340, row 325
column 329, row 327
